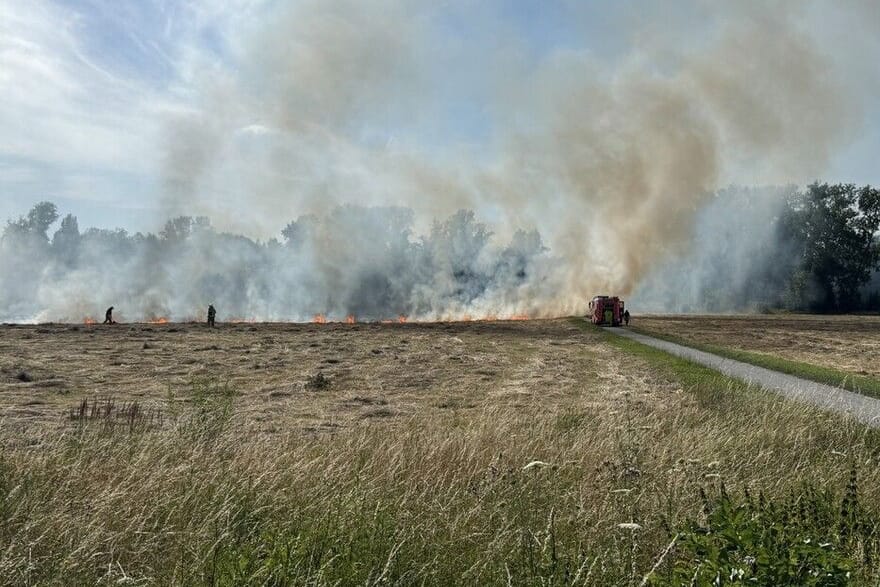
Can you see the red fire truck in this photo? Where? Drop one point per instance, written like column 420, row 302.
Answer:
column 606, row 310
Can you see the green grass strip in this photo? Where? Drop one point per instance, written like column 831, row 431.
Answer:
column 692, row 376
column 856, row 383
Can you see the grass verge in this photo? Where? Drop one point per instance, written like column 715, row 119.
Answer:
column 849, row 381
column 692, row 376
column 648, row 471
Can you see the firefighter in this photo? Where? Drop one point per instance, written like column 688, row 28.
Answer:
column 211, row 313
column 626, row 317
column 108, row 316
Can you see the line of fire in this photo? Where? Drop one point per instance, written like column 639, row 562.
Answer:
column 603, row 310
column 323, row 319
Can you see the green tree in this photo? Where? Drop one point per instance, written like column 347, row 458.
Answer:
column 836, row 227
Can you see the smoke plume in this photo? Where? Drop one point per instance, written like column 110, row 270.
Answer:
column 370, row 121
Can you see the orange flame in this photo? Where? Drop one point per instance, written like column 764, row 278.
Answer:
column 319, row 319
column 518, row 317
column 402, row 319
column 350, row 319
column 159, row 320
column 89, row 321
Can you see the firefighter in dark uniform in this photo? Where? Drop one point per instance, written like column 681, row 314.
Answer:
column 626, row 317
column 108, row 316
column 211, row 314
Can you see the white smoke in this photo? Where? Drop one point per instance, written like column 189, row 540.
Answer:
column 341, row 102
column 358, row 262
column 738, row 260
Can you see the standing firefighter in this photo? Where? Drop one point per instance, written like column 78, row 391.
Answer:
column 211, row 313
column 626, row 317
column 108, row 316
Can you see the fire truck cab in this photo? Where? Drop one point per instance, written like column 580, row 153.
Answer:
column 606, row 311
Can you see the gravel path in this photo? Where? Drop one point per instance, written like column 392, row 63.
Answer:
column 860, row 407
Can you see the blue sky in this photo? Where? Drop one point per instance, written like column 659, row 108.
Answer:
column 90, row 88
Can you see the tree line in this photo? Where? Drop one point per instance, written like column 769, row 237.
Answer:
column 823, row 254
column 357, row 260
column 833, row 229
column 813, row 249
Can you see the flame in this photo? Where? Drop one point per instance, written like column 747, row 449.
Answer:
column 402, row 319
column 242, row 320
column 518, row 317
column 159, row 320
column 319, row 319
column 350, row 319
column 88, row 321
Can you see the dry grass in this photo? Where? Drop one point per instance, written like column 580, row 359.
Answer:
column 412, row 466
column 413, row 368
column 847, row 343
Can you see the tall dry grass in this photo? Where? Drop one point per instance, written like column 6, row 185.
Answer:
column 588, row 491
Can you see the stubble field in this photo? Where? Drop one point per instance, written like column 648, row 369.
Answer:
column 848, row 343
column 476, row 453
column 305, row 376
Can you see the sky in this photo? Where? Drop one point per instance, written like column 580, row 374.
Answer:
column 103, row 101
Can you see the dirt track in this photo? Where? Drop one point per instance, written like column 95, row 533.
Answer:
column 860, row 407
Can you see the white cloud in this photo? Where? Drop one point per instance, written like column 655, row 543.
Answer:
column 71, row 102
column 59, row 106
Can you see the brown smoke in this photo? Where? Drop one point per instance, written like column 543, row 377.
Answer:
column 608, row 159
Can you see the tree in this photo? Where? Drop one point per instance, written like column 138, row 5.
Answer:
column 65, row 241
column 836, row 226
column 181, row 228
column 36, row 223
column 24, row 256
column 516, row 259
column 41, row 217
column 455, row 247
column 300, row 231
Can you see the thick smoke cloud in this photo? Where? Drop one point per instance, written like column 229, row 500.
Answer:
column 738, row 260
column 364, row 263
column 335, row 103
